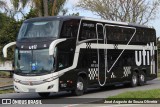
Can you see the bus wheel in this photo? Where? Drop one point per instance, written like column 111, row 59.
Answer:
column 142, row 78
column 80, row 87
column 134, row 79
column 45, row 94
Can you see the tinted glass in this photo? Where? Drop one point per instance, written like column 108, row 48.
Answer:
column 87, row 30
column 39, row 29
column 33, row 61
column 70, row 28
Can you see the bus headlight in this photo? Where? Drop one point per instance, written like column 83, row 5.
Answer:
column 16, row 80
column 51, row 79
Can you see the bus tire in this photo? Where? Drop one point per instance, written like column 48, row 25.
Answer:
column 134, row 79
column 141, row 78
column 80, row 87
column 44, row 94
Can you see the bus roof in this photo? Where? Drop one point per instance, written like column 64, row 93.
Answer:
column 53, row 17
column 85, row 18
column 118, row 23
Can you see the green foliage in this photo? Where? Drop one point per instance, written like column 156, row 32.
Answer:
column 15, row 4
column 74, row 14
column 59, row 6
column 65, row 13
column 6, row 91
column 158, row 45
column 9, row 29
column 4, row 74
column 158, row 74
column 139, row 94
column 51, row 9
column 8, row 32
column 31, row 14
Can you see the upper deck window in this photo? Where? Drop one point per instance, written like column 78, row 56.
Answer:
column 39, row 29
column 70, row 28
column 88, row 30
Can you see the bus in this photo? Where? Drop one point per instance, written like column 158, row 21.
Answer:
column 73, row 53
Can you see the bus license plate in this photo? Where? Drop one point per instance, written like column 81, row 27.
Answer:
column 32, row 90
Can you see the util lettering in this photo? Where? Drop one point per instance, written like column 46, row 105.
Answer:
column 145, row 57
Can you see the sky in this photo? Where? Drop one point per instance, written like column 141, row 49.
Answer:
column 70, row 5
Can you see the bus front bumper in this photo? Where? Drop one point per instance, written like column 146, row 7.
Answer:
column 52, row 86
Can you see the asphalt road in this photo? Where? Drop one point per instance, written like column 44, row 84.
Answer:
column 65, row 99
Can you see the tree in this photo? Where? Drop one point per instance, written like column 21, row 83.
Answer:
column 17, row 7
column 135, row 11
column 64, row 12
column 54, row 7
column 48, row 7
column 45, row 6
column 57, row 6
column 42, row 7
column 9, row 28
column 2, row 4
column 31, row 14
column 37, row 5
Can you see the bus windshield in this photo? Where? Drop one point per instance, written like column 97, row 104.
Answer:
column 33, row 61
column 39, row 29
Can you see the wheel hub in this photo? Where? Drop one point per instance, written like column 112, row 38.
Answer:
column 79, row 85
column 134, row 79
column 142, row 77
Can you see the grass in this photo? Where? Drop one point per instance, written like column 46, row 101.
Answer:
column 158, row 75
column 6, row 91
column 139, row 94
column 6, row 81
column 4, row 74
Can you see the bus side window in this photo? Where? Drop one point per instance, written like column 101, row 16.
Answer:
column 141, row 35
column 87, row 31
column 63, row 60
column 152, row 35
column 128, row 33
column 70, row 28
column 100, row 32
column 82, row 35
column 69, row 32
column 109, row 32
column 113, row 33
column 146, row 35
column 136, row 37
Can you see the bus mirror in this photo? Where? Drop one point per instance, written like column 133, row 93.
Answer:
column 6, row 47
column 53, row 45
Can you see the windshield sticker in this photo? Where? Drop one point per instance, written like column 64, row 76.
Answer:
column 24, row 52
column 88, row 25
column 34, row 66
column 40, row 23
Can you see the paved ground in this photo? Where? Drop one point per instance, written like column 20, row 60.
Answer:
column 65, row 99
